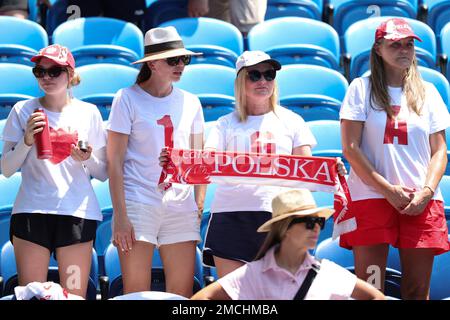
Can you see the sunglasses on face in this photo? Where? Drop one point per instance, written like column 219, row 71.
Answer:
column 310, row 222
column 173, row 61
column 255, row 75
column 53, row 72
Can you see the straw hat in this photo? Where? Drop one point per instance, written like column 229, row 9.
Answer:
column 299, row 202
column 162, row 43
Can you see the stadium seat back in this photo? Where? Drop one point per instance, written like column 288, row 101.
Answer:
column 294, row 8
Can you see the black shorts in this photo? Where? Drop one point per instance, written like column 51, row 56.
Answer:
column 233, row 235
column 50, row 230
column 8, row 5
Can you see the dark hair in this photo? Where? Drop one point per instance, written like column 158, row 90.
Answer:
column 144, row 74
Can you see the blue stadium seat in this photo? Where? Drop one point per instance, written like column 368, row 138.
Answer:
column 101, row 189
column 213, row 84
column 162, row 11
column 219, row 41
column 359, row 38
column 100, row 82
column 440, row 281
column 307, row 42
column 112, row 286
column 2, row 125
column 294, row 8
column 438, row 14
column 445, row 46
column 329, row 249
column 20, row 40
column 101, row 40
column 17, row 83
column 346, row 12
column 9, row 187
column 4, row 233
column 445, row 189
column 317, row 97
column 10, row 279
column 328, row 136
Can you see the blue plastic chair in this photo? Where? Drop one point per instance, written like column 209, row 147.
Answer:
column 294, row 8
column 2, row 125
column 219, row 41
column 318, row 94
column 9, row 187
column 359, row 37
column 444, row 42
column 100, row 82
column 162, row 11
column 329, row 249
column 307, row 41
column 438, row 14
column 445, row 189
column 17, row 83
column 214, row 86
column 20, row 40
column 440, row 281
column 4, row 231
column 114, row 286
column 101, row 189
column 346, row 12
column 328, row 136
column 10, row 279
column 101, row 40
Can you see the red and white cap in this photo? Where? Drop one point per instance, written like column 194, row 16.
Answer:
column 395, row 29
column 59, row 54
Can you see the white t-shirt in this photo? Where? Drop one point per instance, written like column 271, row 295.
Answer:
column 137, row 113
column 274, row 132
column 400, row 151
column 59, row 185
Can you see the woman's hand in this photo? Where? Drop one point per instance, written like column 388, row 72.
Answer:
column 79, row 155
column 163, row 157
column 123, row 234
column 35, row 124
column 341, row 167
column 399, row 196
column 418, row 203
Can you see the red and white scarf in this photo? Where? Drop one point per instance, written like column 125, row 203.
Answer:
column 313, row 173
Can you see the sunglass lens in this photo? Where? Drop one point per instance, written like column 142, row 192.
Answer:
column 38, row 72
column 269, row 75
column 186, row 60
column 173, row 61
column 54, row 72
column 254, row 75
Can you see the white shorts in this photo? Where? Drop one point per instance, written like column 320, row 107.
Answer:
column 161, row 226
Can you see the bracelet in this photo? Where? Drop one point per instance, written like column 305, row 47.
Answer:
column 431, row 189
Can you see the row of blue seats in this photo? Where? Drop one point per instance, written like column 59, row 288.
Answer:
column 105, row 40
column 314, row 92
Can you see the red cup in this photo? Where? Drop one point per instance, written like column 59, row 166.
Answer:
column 43, row 143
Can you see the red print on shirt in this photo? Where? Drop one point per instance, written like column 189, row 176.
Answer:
column 396, row 128
column 61, row 144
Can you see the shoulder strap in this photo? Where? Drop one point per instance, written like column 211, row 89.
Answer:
column 301, row 293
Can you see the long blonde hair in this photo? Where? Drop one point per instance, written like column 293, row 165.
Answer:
column 413, row 86
column 240, row 94
column 275, row 236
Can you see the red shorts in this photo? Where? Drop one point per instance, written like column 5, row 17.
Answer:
column 378, row 222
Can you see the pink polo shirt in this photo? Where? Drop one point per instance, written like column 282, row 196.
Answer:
column 265, row 280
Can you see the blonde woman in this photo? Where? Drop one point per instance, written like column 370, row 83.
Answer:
column 56, row 210
column 393, row 134
column 259, row 125
column 283, row 268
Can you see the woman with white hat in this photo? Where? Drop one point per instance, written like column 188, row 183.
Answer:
column 144, row 118
column 284, row 269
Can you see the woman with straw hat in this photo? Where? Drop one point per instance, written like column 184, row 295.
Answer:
column 283, row 268
column 144, row 118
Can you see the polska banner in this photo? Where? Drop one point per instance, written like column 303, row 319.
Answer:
column 313, row 173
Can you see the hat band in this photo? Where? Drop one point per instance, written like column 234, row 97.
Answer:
column 307, row 207
column 153, row 48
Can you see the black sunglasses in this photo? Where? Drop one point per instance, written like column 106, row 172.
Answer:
column 53, row 72
column 173, row 61
column 310, row 222
column 255, row 75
